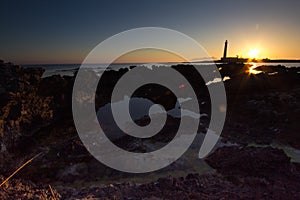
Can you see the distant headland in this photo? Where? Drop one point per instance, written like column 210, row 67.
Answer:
column 240, row 60
column 237, row 59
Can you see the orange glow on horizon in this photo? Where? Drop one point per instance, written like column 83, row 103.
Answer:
column 149, row 56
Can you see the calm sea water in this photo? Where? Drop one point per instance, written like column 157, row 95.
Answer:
column 69, row 69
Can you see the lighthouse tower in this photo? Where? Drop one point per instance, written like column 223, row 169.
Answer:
column 225, row 50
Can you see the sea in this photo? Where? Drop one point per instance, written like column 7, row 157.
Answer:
column 69, row 69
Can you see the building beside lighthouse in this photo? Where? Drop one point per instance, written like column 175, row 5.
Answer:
column 226, row 59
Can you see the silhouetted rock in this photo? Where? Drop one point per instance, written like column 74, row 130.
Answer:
column 23, row 111
column 250, row 161
column 60, row 89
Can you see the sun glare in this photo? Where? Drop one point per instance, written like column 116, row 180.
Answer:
column 252, row 70
column 253, row 53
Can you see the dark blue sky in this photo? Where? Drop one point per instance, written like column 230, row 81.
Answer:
column 65, row 31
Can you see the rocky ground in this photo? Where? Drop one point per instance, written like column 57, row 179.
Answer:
column 20, row 189
column 243, row 173
column 35, row 116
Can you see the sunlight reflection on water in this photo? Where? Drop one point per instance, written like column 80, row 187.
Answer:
column 252, row 69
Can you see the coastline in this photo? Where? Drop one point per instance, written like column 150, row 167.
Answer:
column 262, row 109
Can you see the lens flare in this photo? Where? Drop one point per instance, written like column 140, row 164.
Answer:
column 253, row 53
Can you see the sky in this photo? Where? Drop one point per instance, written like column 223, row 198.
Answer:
column 36, row 31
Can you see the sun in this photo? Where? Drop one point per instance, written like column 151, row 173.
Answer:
column 253, row 53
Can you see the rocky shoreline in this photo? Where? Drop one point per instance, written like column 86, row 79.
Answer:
column 36, row 117
column 248, row 173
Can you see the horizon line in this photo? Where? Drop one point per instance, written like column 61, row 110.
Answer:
column 120, row 63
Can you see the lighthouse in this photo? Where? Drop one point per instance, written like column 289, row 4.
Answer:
column 225, row 50
column 226, row 59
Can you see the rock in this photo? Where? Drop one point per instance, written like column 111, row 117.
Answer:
column 20, row 189
column 193, row 186
column 2, row 90
column 255, row 108
column 60, row 89
column 250, row 161
column 22, row 111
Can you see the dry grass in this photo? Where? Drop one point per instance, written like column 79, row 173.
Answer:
column 52, row 192
column 21, row 167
